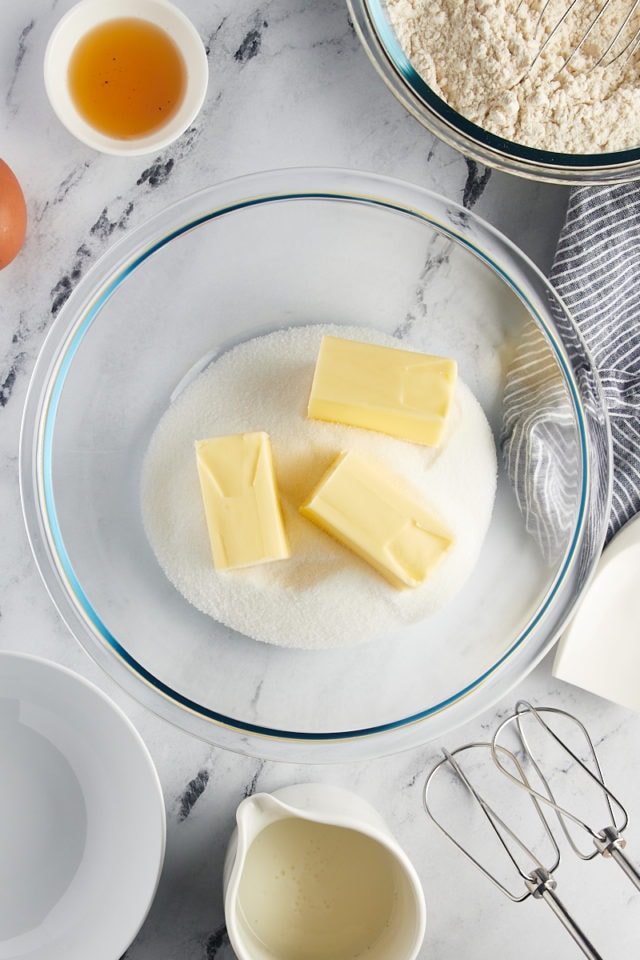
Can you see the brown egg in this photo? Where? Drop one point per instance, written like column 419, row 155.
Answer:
column 13, row 215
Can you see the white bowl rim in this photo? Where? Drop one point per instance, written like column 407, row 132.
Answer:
column 39, row 681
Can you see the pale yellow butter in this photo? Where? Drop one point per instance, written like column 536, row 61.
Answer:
column 372, row 511
column 393, row 391
column 241, row 501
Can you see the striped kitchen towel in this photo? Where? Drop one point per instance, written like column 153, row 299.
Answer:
column 596, row 271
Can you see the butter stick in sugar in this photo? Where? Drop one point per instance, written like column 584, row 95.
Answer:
column 364, row 505
column 241, row 500
column 397, row 392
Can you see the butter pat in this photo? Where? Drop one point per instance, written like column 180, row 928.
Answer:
column 369, row 509
column 241, row 500
column 397, row 392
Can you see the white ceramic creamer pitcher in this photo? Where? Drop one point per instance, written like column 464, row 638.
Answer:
column 313, row 873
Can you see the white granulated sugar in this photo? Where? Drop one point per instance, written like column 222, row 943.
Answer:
column 476, row 54
column 323, row 596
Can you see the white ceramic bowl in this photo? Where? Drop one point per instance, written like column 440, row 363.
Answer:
column 82, row 814
column 88, row 14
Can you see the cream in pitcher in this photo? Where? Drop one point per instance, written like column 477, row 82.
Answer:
column 312, row 873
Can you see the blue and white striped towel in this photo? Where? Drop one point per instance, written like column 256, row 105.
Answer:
column 596, row 271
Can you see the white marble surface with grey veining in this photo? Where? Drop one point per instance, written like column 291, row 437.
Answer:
column 289, row 86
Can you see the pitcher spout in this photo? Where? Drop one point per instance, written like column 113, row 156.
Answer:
column 256, row 812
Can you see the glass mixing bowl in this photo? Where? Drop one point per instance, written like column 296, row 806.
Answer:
column 385, row 52
column 271, row 251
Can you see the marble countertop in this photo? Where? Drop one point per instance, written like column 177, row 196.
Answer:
column 289, row 86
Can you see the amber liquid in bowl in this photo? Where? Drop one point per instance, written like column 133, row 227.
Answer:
column 127, row 78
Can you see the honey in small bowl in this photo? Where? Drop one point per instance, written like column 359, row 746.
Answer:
column 127, row 77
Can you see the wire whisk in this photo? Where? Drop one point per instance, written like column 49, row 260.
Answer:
column 603, row 31
column 536, row 876
column 529, row 721
column 553, row 754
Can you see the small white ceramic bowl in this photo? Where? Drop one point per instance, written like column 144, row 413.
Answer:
column 88, row 14
column 82, row 814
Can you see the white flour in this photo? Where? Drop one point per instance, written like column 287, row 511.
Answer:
column 475, row 55
column 324, row 596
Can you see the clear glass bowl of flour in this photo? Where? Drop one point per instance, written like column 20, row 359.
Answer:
column 232, row 288
column 464, row 71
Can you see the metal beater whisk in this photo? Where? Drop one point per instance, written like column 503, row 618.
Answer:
column 531, row 723
column 536, row 876
column 610, row 29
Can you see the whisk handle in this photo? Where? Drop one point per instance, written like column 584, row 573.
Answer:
column 610, row 844
column 625, row 864
column 542, row 886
